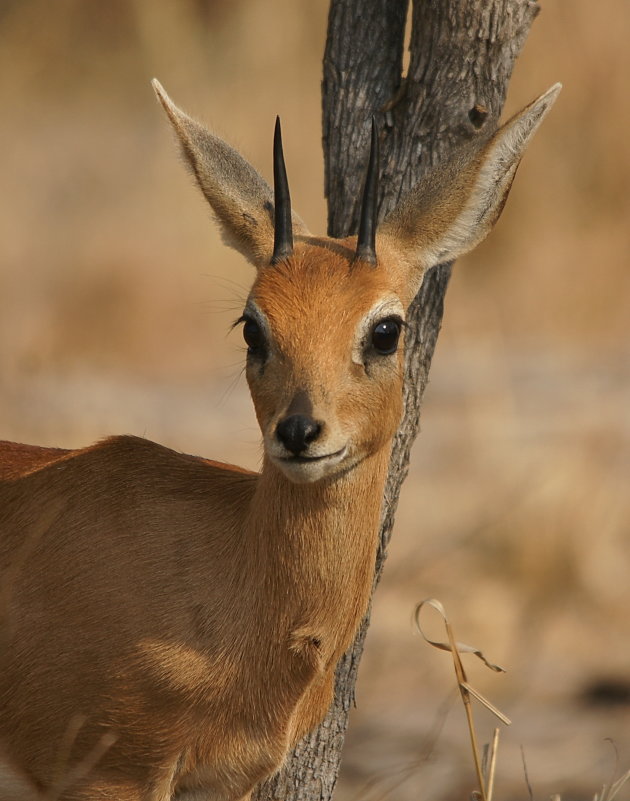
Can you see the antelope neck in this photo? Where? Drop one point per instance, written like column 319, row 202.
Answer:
column 316, row 541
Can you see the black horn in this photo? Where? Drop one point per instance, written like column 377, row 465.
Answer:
column 283, row 231
column 366, row 240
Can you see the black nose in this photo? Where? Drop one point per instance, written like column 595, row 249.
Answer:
column 297, row 431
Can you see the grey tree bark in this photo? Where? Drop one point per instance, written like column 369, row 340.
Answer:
column 462, row 53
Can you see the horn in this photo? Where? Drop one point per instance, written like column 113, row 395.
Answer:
column 283, row 231
column 366, row 240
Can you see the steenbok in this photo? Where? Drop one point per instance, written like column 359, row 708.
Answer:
column 189, row 613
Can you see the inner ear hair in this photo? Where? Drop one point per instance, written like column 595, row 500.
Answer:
column 452, row 209
column 240, row 198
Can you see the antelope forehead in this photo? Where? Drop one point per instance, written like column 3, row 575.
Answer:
column 325, row 318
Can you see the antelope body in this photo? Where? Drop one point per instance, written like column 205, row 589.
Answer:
column 193, row 613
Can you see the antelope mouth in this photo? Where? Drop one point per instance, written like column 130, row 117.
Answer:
column 307, row 469
column 335, row 456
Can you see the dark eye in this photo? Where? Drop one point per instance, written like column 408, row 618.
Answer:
column 385, row 336
column 253, row 336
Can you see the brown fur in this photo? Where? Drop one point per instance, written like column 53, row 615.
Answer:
column 193, row 610
column 18, row 459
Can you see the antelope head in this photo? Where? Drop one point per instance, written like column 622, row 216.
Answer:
column 323, row 322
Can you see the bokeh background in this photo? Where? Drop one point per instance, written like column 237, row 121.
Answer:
column 116, row 297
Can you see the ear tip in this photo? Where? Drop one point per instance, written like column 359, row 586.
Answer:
column 549, row 97
column 534, row 113
column 554, row 90
column 162, row 95
column 157, row 87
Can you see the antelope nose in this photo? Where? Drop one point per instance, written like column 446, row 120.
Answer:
column 297, row 431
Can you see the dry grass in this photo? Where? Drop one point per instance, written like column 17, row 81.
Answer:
column 115, row 301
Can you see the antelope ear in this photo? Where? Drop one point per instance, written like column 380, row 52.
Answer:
column 454, row 206
column 240, row 198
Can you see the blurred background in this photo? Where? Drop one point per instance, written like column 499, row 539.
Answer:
column 116, row 296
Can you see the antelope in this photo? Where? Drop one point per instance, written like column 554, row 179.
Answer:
column 192, row 611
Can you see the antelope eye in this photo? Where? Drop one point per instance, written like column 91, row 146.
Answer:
column 253, row 336
column 385, row 336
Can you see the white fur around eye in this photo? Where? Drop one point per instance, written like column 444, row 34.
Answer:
column 386, row 307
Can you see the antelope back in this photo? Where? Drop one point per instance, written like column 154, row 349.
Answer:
column 324, row 319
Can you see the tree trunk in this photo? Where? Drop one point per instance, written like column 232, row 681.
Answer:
column 462, row 55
